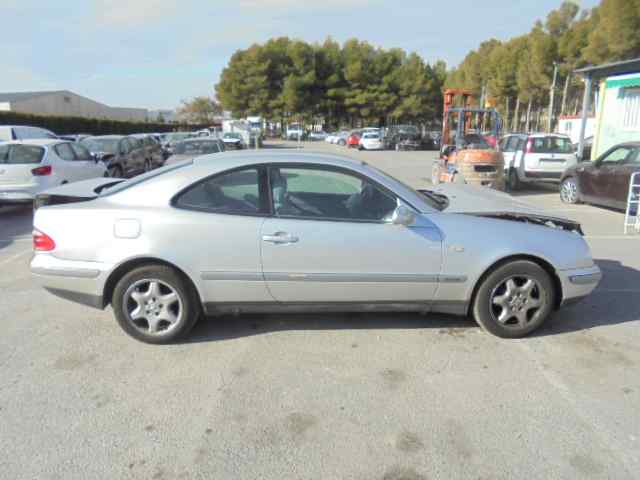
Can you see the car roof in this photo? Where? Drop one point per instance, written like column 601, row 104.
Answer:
column 42, row 142
column 241, row 158
column 112, row 137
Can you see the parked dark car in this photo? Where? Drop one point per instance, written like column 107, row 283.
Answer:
column 195, row 147
column 605, row 181
column 153, row 150
column 123, row 156
column 403, row 137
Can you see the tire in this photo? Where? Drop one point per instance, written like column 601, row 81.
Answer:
column 504, row 293
column 115, row 172
column 513, row 182
column 161, row 318
column 569, row 191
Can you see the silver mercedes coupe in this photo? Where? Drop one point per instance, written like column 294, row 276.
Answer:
column 281, row 232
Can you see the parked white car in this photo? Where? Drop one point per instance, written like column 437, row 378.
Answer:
column 31, row 166
column 371, row 140
column 539, row 157
column 24, row 132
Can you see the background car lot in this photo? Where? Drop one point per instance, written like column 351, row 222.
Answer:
column 325, row 396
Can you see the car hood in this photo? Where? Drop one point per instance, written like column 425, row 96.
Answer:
column 486, row 202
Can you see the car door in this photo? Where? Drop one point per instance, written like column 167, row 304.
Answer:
column 88, row 166
column 222, row 217
column 137, row 155
column 601, row 175
column 329, row 241
column 67, row 169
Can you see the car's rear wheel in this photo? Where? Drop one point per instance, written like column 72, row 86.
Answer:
column 569, row 192
column 515, row 299
column 513, row 182
column 155, row 304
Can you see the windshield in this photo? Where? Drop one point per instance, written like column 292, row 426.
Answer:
column 20, row 154
column 96, row 144
column 435, row 201
column 126, row 184
column 551, row 145
column 196, row 148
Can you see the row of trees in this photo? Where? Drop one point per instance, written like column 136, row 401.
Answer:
column 518, row 74
column 354, row 83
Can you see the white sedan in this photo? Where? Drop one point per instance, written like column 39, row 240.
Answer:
column 371, row 141
column 31, row 166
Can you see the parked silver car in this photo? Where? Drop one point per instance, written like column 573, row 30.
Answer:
column 539, row 157
column 280, row 232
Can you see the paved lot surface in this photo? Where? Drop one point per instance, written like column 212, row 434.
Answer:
column 324, row 396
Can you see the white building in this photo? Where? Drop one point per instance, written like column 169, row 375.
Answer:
column 64, row 103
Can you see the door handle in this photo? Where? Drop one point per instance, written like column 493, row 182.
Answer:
column 280, row 238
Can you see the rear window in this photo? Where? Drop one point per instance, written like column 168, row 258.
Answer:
column 20, row 154
column 551, row 145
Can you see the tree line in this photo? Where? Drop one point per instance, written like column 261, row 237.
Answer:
column 517, row 74
column 354, row 83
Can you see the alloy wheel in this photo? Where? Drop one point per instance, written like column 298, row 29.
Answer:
column 569, row 191
column 516, row 300
column 153, row 306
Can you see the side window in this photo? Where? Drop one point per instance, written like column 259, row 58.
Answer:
column 634, row 158
column 233, row 193
column 328, row 194
column 618, row 156
column 124, row 147
column 65, row 152
column 504, row 144
column 82, row 154
column 134, row 143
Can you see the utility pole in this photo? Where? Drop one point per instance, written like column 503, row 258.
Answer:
column 552, row 94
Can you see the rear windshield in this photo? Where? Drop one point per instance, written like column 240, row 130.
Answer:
column 551, row 145
column 118, row 187
column 371, row 135
column 103, row 145
column 20, row 154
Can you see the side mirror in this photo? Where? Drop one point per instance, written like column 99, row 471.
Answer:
column 402, row 215
column 94, row 157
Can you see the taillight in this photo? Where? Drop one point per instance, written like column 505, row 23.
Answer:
column 42, row 242
column 42, row 171
column 530, row 146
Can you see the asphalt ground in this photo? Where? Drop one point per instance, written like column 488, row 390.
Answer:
column 358, row 396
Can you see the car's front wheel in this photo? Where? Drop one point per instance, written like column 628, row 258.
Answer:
column 155, row 304
column 514, row 299
column 569, row 192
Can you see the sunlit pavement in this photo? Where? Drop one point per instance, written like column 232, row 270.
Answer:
column 384, row 396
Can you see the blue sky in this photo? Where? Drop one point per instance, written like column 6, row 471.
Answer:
column 153, row 53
